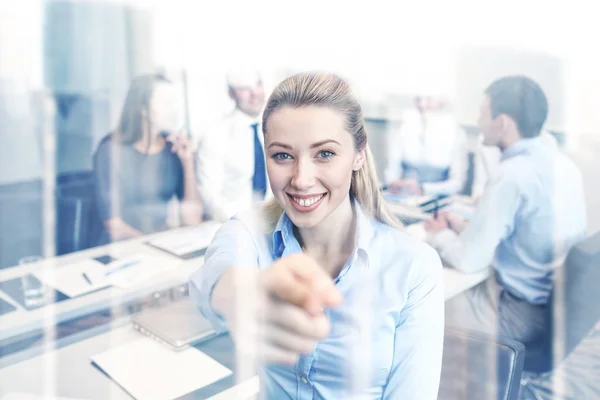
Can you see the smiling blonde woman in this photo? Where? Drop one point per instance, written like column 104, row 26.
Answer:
column 342, row 302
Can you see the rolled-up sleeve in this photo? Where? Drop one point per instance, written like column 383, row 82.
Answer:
column 232, row 245
column 418, row 342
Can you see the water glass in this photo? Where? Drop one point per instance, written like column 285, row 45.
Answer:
column 35, row 293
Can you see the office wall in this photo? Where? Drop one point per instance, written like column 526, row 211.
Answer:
column 477, row 67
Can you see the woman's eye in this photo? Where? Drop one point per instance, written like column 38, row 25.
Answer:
column 326, row 154
column 281, row 156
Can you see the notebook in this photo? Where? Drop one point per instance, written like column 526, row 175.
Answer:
column 177, row 325
column 188, row 244
column 149, row 371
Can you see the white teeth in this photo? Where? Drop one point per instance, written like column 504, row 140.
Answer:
column 307, row 202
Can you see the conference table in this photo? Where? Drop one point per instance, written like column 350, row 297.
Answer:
column 53, row 352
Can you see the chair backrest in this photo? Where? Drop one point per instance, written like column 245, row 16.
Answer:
column 81, row 185
column 581, row 277
column 480, row 366
column 73, row 220
column 573, row 308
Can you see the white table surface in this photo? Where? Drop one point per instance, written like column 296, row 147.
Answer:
column 67, row 371
column 21, row 320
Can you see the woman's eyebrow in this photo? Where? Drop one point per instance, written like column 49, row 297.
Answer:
column 312, row 146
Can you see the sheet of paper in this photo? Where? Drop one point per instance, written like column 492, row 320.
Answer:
column 129, row 271
column 242, row 391
column 148, row 370
column 69, row 278
column 181, row 243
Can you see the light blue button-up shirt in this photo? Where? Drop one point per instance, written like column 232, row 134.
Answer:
column 528, row 218
column 386, row 338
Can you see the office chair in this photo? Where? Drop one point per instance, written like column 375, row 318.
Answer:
column 81, row 185
column 480, row 366
column 579, row 334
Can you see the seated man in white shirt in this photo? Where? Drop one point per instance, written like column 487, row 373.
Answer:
column 531, row 213
column 231, row 163
column 428, row 154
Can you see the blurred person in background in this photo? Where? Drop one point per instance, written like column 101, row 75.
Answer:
column 145, row 163
column 429, row 153
column 530, row 215
column 231, row 160
column 320, row 285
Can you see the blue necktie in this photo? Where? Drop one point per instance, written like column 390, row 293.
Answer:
column 259, row 180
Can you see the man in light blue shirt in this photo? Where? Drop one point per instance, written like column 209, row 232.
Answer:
column 386, row 337
column 528, row 218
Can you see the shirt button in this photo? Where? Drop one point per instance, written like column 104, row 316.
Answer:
column 304, row 380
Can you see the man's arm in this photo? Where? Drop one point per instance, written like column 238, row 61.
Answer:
column 473, row 250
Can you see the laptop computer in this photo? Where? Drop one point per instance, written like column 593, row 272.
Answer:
column 177, row 325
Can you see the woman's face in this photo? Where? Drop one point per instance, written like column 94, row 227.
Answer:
column 165, row 112
column 310, row 160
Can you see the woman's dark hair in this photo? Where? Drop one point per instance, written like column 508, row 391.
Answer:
column 523, row 100
column 138, row 98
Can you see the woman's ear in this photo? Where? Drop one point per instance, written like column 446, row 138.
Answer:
column 359, row 160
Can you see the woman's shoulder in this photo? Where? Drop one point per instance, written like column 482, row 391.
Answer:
column 396, row 246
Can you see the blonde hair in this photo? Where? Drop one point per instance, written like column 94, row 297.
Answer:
column 329, row 90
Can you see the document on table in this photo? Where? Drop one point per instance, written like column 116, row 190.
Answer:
column 189, row 243
column 129, row 271
column 69, row 278
column 147, row 370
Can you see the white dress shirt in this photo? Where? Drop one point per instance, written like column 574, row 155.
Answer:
column 528, row 218
column 226, row 165
column 439, row 144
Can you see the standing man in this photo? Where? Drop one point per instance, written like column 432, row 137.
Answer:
column 231, row 161
column 531, row 213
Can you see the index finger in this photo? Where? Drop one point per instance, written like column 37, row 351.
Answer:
column 309, row 271
column 299, row 280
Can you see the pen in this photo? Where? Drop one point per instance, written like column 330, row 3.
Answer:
column 86, row 278
column 435, row 209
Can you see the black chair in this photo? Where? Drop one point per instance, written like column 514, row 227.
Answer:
column 575, row 297
column 22, row 226
column 73, row 217
column 479, row 366
column 577, row 301
column 81, row 185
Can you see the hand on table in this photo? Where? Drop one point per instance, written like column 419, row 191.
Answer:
column 437, row 224
column 445, row 221
column 408, row 186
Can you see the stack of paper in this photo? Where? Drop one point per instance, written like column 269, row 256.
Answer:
column 148, row 370
column 189, row 242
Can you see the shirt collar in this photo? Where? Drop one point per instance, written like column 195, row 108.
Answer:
column 285, row 243
column 245, row 119
column 521, row 147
